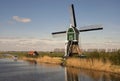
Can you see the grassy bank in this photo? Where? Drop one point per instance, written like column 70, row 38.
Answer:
column 45, row 59
column 102, row 61
column 94, row 64
column 113, row 57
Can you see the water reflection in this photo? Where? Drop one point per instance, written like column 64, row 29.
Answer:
column 73, row 74
column 33, row 62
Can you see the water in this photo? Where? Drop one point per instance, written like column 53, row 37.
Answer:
column 11, row 70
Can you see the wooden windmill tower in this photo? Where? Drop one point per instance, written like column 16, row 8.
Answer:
column 72, row 44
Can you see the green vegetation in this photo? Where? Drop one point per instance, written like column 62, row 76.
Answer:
column 51, row 54
column 113, row 57
column 25, row 54
column 14, row 53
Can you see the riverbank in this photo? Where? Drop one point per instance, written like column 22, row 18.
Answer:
column 93, row 64
column 101, row 61
column 45, row 59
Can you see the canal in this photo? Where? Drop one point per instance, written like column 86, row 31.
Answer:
column 11, row 70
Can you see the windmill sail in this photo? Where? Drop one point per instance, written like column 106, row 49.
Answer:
column 61, row 32
column 91, row 28
column 73, row 19
column 84, row 29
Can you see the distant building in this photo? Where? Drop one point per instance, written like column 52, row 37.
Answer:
column 59, row 50
column 112, row 50
column 101, row 50
column 91, row 50
column 33, row 53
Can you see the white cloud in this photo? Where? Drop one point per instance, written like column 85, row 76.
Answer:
column 20, row 19
column 26, row 44
column 102, row 45
column 23, row 44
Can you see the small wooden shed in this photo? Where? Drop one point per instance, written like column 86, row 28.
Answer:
column 33, row 53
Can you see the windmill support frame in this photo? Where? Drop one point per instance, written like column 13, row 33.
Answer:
column 72, row 48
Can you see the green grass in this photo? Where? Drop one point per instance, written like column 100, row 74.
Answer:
column 41, row 54
column 51, row 54
column 14, row 53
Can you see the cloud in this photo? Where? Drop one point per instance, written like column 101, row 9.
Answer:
column 103, row 45
column 20, row 19
column 26, row 44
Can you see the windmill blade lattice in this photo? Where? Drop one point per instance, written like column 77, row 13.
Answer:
column 91, row 28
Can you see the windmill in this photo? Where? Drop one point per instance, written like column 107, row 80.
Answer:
column 72, row 44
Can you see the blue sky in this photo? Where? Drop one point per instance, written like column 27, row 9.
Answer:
column 27, row 24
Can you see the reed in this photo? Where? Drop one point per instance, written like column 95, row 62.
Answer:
column 94, row 64
column 45, row 59
column 113, row 57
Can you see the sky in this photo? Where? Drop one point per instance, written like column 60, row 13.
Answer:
column 27, row 24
